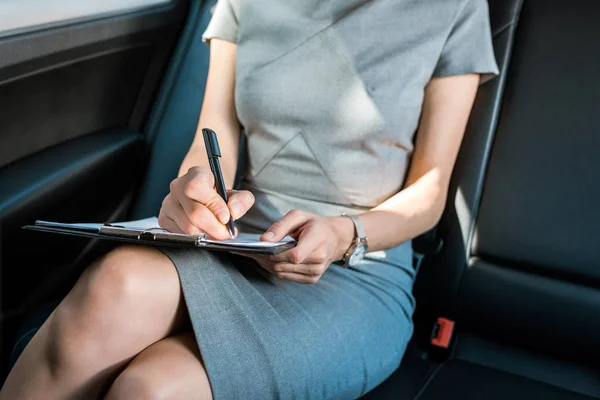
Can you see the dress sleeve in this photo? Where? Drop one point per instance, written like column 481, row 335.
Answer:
column 224, row 22
column 469, row 48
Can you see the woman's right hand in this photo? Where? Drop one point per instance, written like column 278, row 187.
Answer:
column 193, row 206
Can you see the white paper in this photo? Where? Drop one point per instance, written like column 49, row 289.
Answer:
column 250, row 240
column 140, row 224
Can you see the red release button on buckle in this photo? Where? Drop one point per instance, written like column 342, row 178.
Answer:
column 442, row 333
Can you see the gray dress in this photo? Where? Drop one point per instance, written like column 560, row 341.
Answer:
column 329, row 94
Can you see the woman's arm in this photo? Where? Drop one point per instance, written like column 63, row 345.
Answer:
column 218, row 113
column 193, row 205
column 419, row 206
column 409, row 213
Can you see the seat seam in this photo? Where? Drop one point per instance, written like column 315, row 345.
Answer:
column 503, row 29
column 436, row 370
column 535, row 270
column 520, row 376
column 516, row 15
column 428, row 381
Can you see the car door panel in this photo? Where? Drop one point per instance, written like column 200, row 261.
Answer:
column 74, row 181
column 22, row 16
column 63, row 103
column 74, row 98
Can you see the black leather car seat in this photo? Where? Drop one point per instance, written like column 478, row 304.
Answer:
column 520, row 272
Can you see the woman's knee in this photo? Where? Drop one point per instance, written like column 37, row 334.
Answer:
column 169, row 369
column 112, row 303
column 127, row 277
column 133, row 383
column 111, row 284
column 117, row 276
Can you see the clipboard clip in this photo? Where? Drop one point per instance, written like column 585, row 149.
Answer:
column 148, row 235
column 153, row 234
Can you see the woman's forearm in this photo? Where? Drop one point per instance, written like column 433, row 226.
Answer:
column 218, row 113
column 402, row 217
column 418, row 207
column 406, row 215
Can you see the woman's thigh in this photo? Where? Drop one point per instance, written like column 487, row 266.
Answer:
column 169, row 369
column 122, row 304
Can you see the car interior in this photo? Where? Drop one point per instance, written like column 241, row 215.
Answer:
column 97, row 112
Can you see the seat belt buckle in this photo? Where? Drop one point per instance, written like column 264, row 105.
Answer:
column 442, row 333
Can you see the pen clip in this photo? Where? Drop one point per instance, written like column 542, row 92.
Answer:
column 211, row 143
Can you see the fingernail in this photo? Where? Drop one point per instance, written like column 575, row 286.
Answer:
column 223, row 216
column 269, row 235
column 236, row 208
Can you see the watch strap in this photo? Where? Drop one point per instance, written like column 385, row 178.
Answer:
column 360, row 239
column 358, row 226
column 360, row 231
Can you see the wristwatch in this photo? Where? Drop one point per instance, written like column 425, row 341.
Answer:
column 359, row 247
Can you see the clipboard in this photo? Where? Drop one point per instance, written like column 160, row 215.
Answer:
column 147, row 231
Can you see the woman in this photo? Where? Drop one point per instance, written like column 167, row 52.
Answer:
column 330, row 95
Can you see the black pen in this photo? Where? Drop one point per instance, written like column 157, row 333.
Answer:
column 213, row 152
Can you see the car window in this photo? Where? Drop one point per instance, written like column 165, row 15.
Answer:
column 24, row 14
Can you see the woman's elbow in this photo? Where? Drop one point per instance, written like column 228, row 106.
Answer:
column 435, row 209
column 435, row 214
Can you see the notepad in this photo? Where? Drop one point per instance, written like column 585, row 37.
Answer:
column 147, row 231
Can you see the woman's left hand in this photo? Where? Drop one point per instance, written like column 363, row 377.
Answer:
column 321, row 241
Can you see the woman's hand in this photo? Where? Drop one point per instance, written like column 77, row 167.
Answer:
column 321, row 241
column 195, row 207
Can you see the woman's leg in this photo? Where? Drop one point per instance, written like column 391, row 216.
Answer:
column 169, row 369
column 127, row 301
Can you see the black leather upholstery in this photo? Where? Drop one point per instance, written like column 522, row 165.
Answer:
column 464, row 195
column 478, row 368
column 463, row 380
column 520, row 272
column 537, row 227
column 539, row 207
column 541, row 313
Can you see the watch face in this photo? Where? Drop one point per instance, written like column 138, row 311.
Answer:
column 357, row 255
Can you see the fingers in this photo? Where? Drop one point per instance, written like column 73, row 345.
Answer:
column 198, row 184
column 304, row 273
column 174, row 219
column 203, row 206
column 302, row 269
column 167, row 223
column 304, row 279
column 200, row 216
column 289, row 223
column 303, row 254
column 240, row 201
column 301, row 273
column 311, row 248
